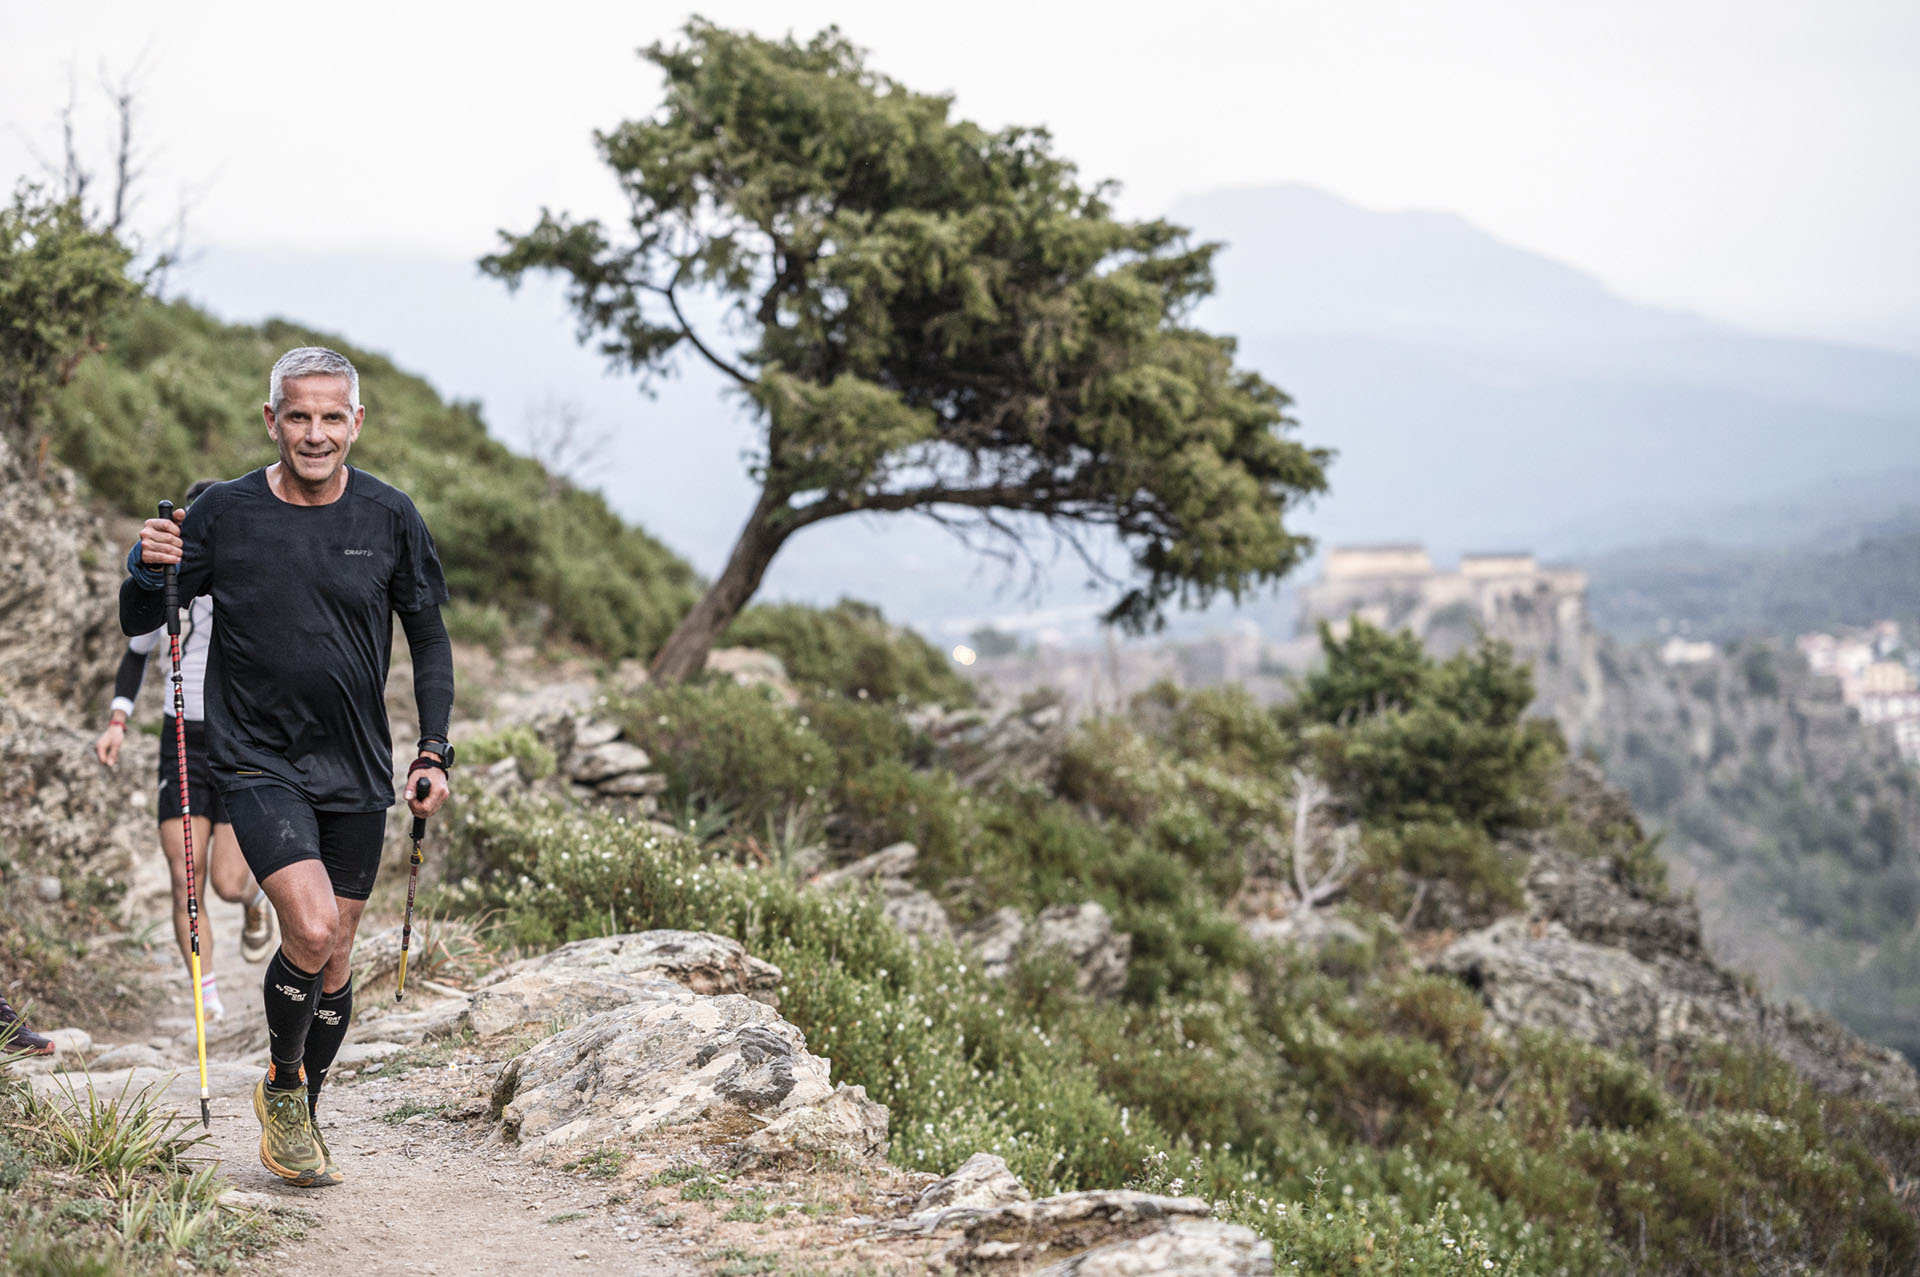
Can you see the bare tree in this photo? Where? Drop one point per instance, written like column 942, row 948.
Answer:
column 559, row 441
column 1318, row 884
column 125, row 169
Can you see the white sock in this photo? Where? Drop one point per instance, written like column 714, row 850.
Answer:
column 210, row 996
column 259, row 898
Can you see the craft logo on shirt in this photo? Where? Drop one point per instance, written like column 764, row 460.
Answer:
column 367, row 553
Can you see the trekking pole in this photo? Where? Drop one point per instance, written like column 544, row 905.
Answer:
column 420, row 791
column 172, row 598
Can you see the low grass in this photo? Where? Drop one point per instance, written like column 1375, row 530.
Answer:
column 112, row 1185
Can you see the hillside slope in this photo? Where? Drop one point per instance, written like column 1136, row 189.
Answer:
column 176, row 396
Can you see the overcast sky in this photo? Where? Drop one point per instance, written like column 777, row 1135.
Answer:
column 1751, row 160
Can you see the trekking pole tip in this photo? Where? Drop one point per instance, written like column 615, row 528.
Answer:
column 206, row 1118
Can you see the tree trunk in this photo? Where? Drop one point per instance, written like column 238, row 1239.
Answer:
column 684, row 654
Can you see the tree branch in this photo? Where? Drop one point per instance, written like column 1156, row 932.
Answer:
column 673, row 303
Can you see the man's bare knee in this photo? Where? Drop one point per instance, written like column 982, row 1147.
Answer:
column 309, row 938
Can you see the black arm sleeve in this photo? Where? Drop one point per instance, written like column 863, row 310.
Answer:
column 141, row 610
column 432, row 669
column 133, row 668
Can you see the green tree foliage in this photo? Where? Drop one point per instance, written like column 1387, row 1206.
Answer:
column 176, row 396
column 1406, row 738
column 61, row 283
column 932, row 316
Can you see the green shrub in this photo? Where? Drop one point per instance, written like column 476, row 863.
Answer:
column 850, row 649
column 519, row 742
column 1406, row 738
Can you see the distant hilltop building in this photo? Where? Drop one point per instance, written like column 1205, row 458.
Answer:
column 1880, row 689
column 1541, row 611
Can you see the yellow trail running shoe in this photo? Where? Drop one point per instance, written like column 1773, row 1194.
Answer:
column 289, row 1145
column 330, row 1172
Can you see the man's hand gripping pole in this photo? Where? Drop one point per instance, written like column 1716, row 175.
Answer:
column 420, row 791
column 172, row 601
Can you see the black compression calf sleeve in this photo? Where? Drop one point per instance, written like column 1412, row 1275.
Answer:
column 331, row 1015
column 290, row 996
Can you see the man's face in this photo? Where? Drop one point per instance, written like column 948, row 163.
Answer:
column 314, row 427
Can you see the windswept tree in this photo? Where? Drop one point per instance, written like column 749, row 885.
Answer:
column 925, row 315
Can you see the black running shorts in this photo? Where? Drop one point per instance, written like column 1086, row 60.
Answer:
column 277, row 827
column 206, row 800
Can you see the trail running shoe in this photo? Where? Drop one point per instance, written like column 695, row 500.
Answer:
column 290, row 1147
column 262, row 931
column 16, row 1038
column 330, row 1172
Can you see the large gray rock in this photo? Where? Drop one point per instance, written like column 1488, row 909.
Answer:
column 587, row 977
column 995, row 940
column 895, row 861
column 1085, row 935
column 917, row 913
column 672, row 1059
column 1020, row 1235
column 698, row 960
column 1183, row 1248
column 982, row 1182
column 606, row 760
column 1536, row 975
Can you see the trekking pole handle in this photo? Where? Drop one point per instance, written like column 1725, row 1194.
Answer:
column 172, row 578
column 420, row 791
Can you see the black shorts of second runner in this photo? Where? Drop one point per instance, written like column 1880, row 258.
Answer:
column 276, row 827
column 206, row 800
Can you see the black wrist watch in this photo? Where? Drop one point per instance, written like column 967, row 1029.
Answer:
column 440, row 749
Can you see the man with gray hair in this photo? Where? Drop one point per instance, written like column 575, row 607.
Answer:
column 307, row 560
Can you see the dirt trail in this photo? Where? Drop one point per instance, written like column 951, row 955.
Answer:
column 424, row 1194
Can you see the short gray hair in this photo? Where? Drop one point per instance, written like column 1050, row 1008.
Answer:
column 312, row 361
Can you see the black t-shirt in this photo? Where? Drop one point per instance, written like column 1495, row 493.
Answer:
column 304, row 598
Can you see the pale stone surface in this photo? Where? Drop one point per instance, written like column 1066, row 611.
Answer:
column 607, row 760
column 699, row 960
column 1183, row 1248
column 981, row 1184
column 134, row 1055
column 844, row 1124
column 553, row 998
column 1538, row 976
column 1016, row 1236
column 1085, row 934
column 69, row 1041
column 1307, row 930
column 895, row 861
column 591, row 732
column 632, row 784
column 673, row 1059
column 354, row 1054
column 917, row 913
column 995, row 940
column 752, row 668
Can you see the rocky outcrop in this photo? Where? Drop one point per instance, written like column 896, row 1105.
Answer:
column 62, row 814
column 917, row 913
column 1610, row 963
column 981, row 746
column 675, row 1059
column 59, row 592
column 997, row 1227
column 1082, row 933
column 1106, row 1233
